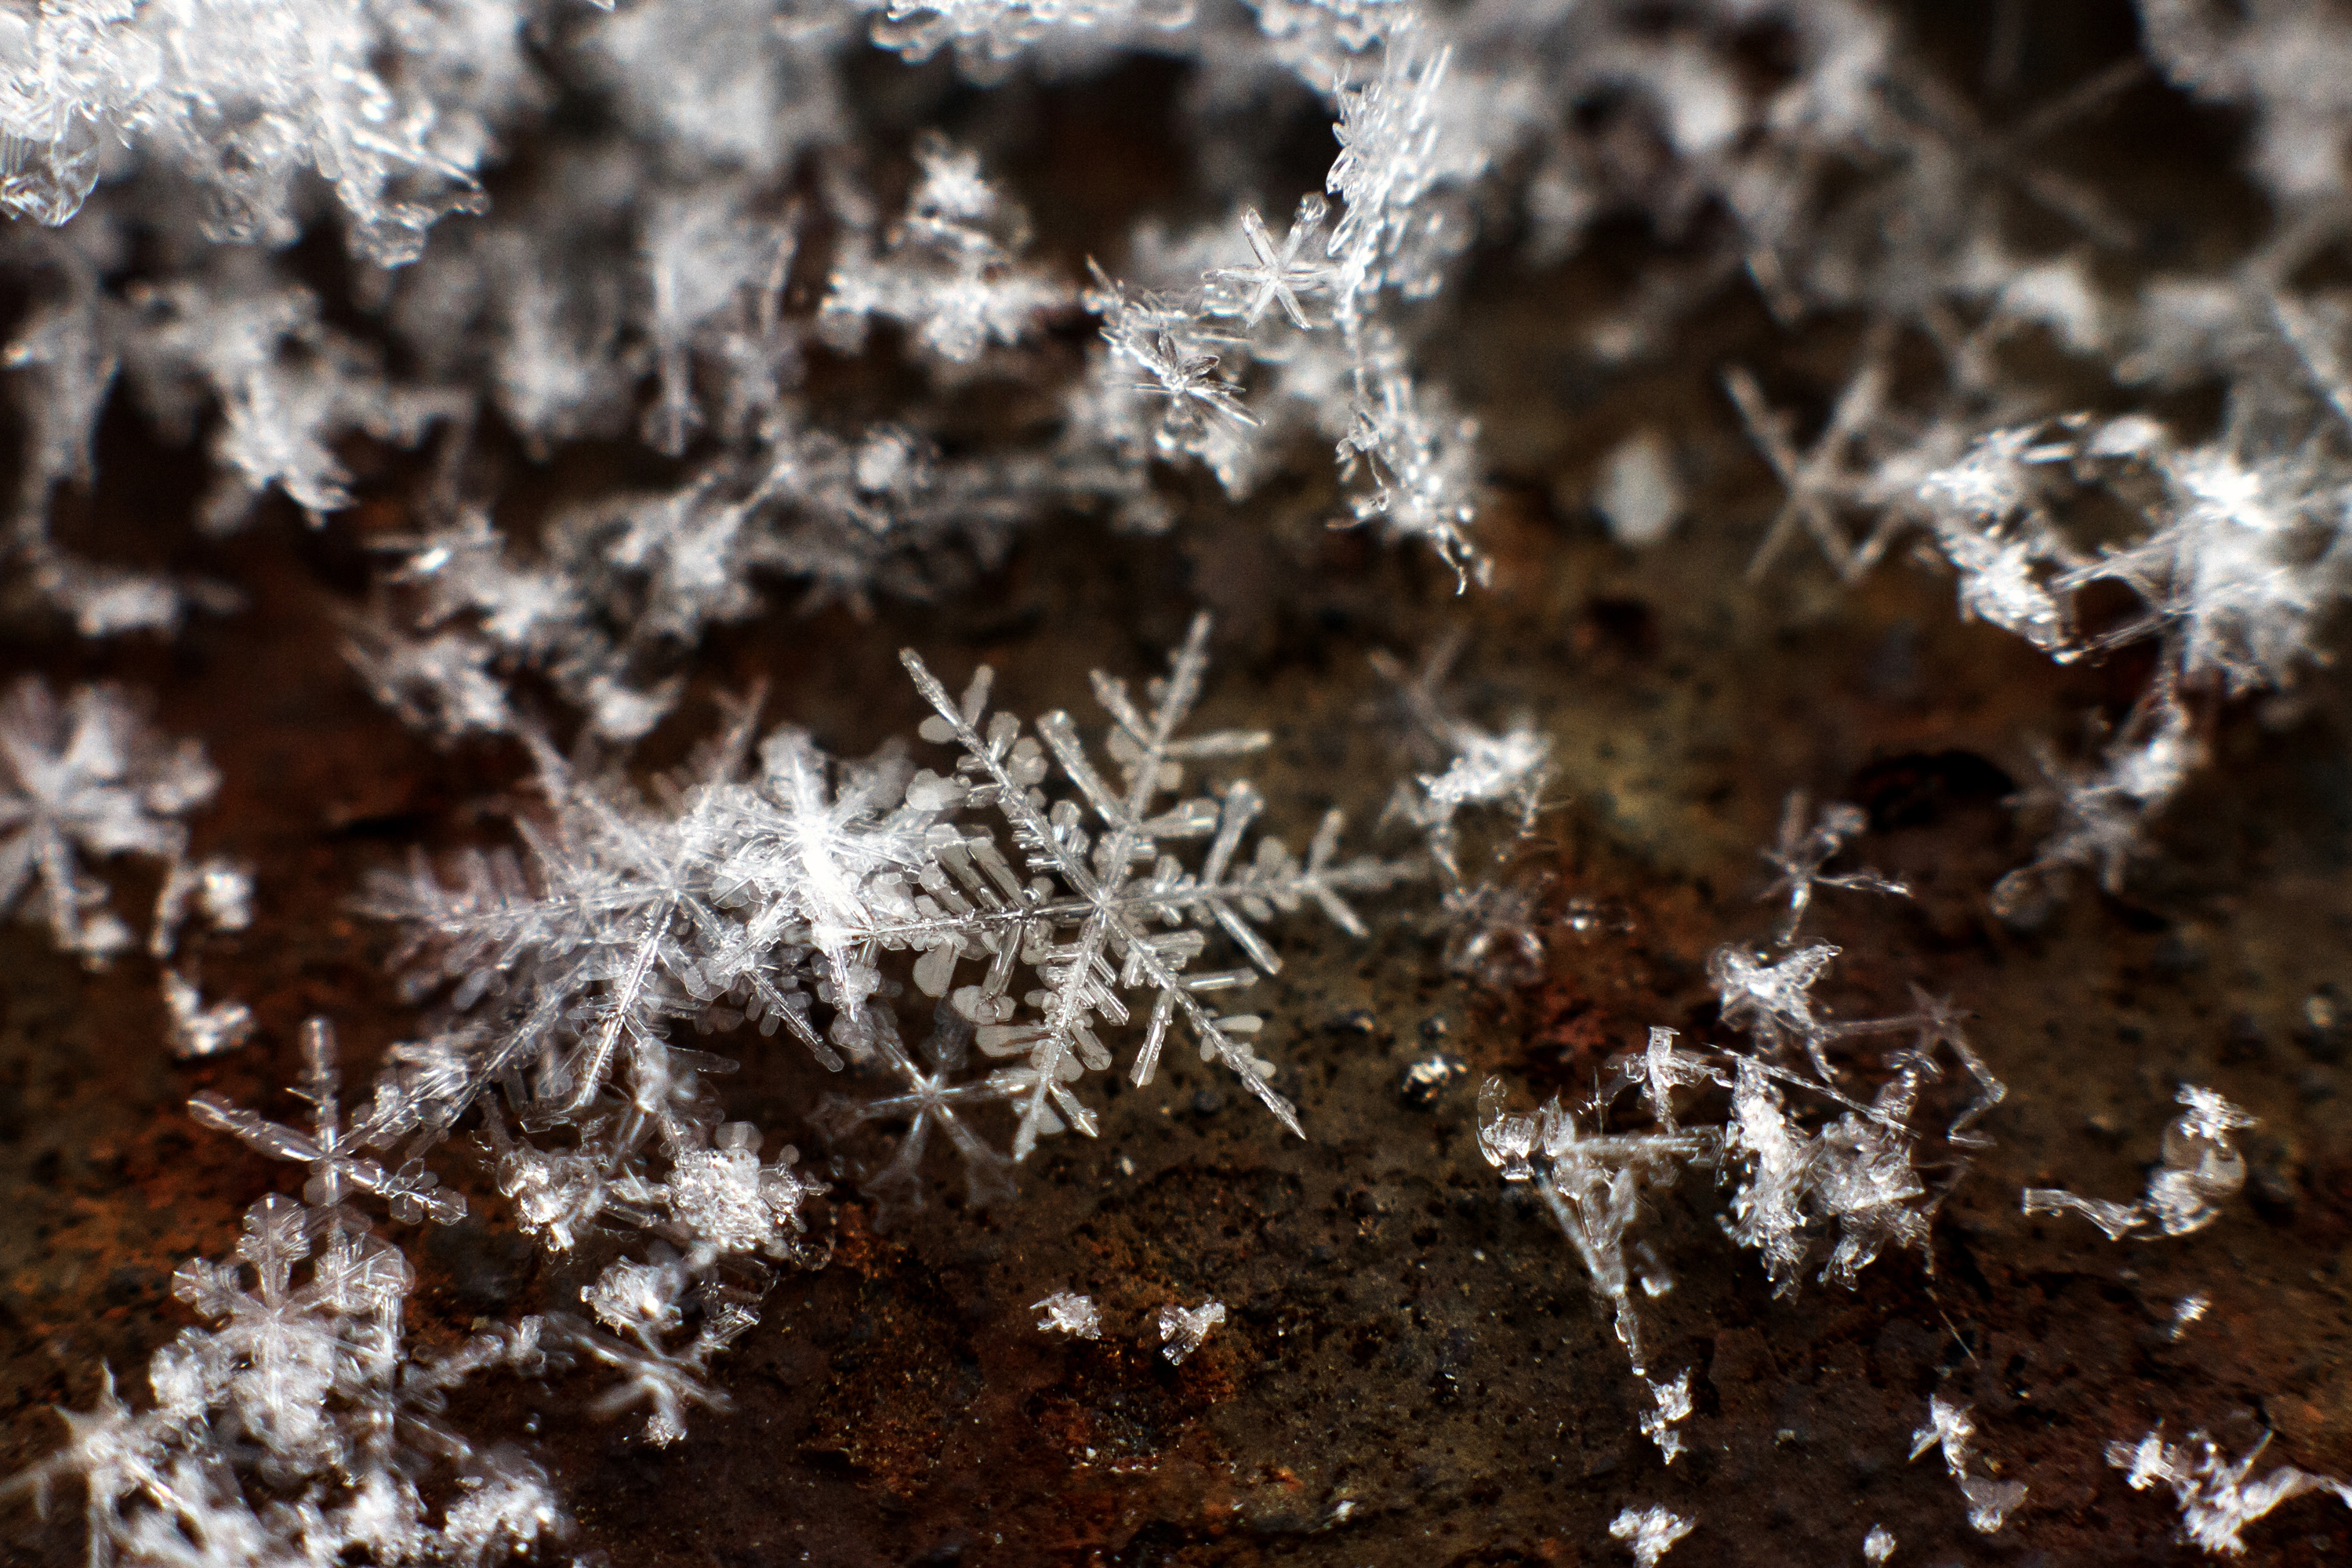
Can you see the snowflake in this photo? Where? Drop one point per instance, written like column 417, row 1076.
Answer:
column 305, row 1392
column 1650, row 1532
column 730, row 1203
column 197, row 1031
column 338, row 1169
column 1673, row 1402
column 88, row 776
column 1423, row 462
column 1092, row 939
column 949, row 272
column 287, row 387
column 1405, row 132
column 1278, row 276
column 1182, row 1329
column 1803, row 852
column 1589, row 1182
column 2216, row 1501
column 389, row 104
column 1824, row 483
column 1949, row 1428
column 1068, row 1312
column 1773, row 1001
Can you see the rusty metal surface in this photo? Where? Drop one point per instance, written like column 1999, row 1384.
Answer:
column 1414, row 1371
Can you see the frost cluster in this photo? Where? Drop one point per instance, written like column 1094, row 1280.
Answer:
column 299, row 1426
column 2217, row 1500
column 1029, row 894
column 1848, row 1172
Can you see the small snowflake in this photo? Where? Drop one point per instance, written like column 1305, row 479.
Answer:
column 1650, row 1532
column 1184, row 1329
column 1068, row 1312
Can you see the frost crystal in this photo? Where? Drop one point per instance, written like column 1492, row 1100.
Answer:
column 1674, row 1406
column 196, row 1030
column 1650, row 1532
column 1068, row 1312
column 338, row 1169
column 299, row 1426
column 1182, row 1329
column 88, row 777
column 2217, row 1501
column 1853, row 1174
column 1990, row 1502
column 1878, row 1546
column 2201, row 1166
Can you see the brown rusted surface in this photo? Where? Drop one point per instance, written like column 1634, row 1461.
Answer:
column 1413, row 1372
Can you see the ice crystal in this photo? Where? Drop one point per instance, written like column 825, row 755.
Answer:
column 393, row 104
column 1116, row 882
column 338, row 1169
column 1283, row 275
column 705, row 223
column 1405, row 132
column 1878, row 1545
column 949, row 272
column 987, row 33
column 197, row 1031
column 1672, row 1400
column 1591, row 1185
column 220, row 887
column 1650, row 1532
column 2217, row 1500
column 287, row 388
column 1825, row 484
column 2201, row 1166
column 88, row 777
column 1183, row 1329
column 1853, row 1175
column 299, row 1426
column 1990, row 1502
column 1773, row 1001
column 641, row 1301
column 1068, row 1312
column 1803, row 851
